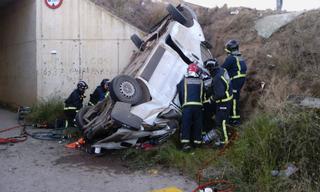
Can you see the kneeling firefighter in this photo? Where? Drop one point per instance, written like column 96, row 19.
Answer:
column 101, row 92
column 222, row 96
column 190, row 91
column 74, row 103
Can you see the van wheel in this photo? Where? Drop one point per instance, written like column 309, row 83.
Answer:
column 137, row 41
column 176, row 14
column 125, row 89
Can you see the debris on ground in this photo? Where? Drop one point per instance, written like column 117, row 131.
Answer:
column 305, row 101
column 76, row 144
column 290, row 170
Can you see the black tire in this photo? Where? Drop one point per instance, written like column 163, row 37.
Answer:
column 177, row 15
column 137, row 41
column 188, row 12
column 125, row 89
column 79, row 116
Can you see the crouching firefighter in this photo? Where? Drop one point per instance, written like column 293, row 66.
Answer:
column 237, row 68
column 190, row 91
column 101, row 92
column 74, row 102
column 222, row 96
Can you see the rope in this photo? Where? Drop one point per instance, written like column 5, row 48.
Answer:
column 213, row 182
column 53, row 135
column 10, row 128
column 17, row 139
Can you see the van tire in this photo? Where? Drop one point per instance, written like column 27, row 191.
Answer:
column 176, row 14
column 137, row 41
column 126, row 89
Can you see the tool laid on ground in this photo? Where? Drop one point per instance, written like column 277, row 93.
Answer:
column 76, row 144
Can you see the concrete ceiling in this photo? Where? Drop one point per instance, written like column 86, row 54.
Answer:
column 5, row 2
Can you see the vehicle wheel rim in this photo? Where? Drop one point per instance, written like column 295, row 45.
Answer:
column 127, row 89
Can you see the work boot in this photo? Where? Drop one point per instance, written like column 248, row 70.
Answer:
column 235, row 123
column 186, row 147
column 197, row 145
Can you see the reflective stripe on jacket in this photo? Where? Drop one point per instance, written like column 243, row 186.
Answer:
column 190, row 91
column 221, row 86
column 236, row 66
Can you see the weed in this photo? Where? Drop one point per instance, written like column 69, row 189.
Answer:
column 269, row 142
column 169, row 155
column 46, row 111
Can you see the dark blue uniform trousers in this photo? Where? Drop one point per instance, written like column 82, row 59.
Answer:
column 209, row 110
column 189, row 131
column 237, row 84
column 222, row 117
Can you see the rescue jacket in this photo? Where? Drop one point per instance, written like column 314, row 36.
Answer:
column 235, row 65
column 190, row 91
column 74, row 101
column 98, row 95
column 221, row 86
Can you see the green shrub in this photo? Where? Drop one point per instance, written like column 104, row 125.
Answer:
column 46, row 111
column 269, row 142
column 169, row 155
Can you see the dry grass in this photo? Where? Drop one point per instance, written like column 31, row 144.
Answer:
column 143, row 14
column 275, row 94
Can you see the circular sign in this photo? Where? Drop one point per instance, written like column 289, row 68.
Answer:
column 53, row 4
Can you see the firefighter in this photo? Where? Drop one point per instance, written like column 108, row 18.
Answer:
column 101, row 92
column 237, row 68
column 74, row 103
column 208, row 107
column 190, row 91
column 222, row 96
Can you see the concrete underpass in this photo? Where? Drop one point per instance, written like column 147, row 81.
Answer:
column 44, row 52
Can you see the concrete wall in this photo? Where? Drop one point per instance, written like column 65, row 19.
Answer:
column 79, row 40
column 18, row 83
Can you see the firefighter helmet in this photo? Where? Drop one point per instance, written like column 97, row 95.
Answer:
column 211, row 63
column 104, row 82
column 232, row 46
column 193, row 70
column 82, row 85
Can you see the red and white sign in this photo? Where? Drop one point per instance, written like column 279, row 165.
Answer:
column 53, row 4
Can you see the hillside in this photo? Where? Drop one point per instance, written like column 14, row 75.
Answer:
column 286, row 63
column 275, row 134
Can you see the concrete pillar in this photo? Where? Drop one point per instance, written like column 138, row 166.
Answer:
column 279, row 5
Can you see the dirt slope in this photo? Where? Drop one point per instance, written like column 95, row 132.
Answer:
column 287, row 62
column 141, row 13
